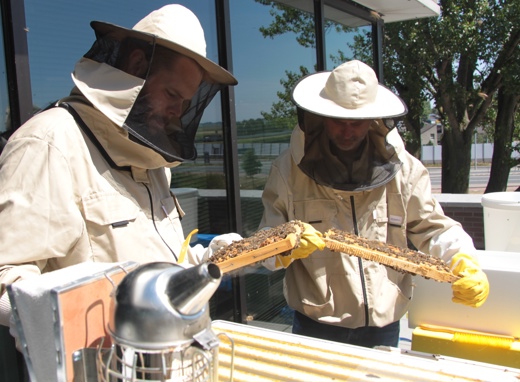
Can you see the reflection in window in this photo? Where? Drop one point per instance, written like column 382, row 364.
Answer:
column 271, row 53
column 5, row 123
column 54, row 53
column 343, row 44
column 266, row 66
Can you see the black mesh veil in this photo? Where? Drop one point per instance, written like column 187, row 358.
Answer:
column 176, row 142
column 377, row 165
column 104, row 50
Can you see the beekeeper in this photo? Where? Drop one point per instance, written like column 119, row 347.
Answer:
column 88, row 179
column 347, row 168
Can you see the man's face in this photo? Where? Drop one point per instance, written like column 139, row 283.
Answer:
column 346, row 134
column 166, row 91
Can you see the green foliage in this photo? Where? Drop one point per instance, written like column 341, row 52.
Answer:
column 194, row 179
column 291, row 20
column 284, row 110
column 251, row 164
column 213, row 181
column 261, row 130
column 458, row 61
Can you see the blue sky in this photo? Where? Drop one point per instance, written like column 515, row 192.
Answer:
column 59, row 34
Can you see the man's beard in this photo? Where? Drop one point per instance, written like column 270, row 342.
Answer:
column 157, row 132
column 143, row 117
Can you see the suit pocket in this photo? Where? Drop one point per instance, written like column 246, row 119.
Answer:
column 320, row 213
column 105, row 209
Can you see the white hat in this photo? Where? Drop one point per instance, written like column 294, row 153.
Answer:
column 173, row 27
column 351, row 91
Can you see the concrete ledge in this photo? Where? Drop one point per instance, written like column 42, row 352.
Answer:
column 459, row 200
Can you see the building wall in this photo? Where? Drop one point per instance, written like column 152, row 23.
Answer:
column 467, row 210
column 471, row 219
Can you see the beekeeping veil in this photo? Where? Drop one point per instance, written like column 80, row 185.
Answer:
column 350, row 92
column 172, row 28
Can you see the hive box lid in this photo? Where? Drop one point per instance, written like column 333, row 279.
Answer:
column 431, row 303
column 261, row 354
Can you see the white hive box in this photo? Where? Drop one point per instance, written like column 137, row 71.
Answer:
column 486, row 334
column 431, row 303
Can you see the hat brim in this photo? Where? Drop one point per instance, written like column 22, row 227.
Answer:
column 214, row 71
column 308, row 94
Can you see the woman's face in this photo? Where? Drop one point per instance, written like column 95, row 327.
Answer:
column 346, row 134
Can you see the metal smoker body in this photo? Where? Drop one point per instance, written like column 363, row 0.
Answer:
column 160, row 325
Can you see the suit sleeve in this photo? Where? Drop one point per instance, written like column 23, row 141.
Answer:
column 429, row 229
column 38, row 214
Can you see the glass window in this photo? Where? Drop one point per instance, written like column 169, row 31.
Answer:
column 341, row 45
column 266, row 69
column 269, row 57
column 60, row 33
column 5, row 123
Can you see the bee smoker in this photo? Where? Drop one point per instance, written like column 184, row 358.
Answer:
column 160, row 326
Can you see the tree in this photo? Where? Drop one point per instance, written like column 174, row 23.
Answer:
column 460, row 61
column 290, row 20
column 251, row 164
column 284, row 109
column 467, row 73
column 503, row 138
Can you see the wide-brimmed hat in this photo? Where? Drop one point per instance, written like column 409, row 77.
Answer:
column 173, row 27
column 351, row 91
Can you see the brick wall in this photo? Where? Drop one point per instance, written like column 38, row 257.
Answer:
column 472, row 219
column 467, row 210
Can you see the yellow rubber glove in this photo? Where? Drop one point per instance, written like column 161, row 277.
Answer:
column 310, row 241
column 472, row 289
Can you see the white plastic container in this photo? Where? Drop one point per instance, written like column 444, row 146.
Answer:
column 431, row 303
column 502, row 221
